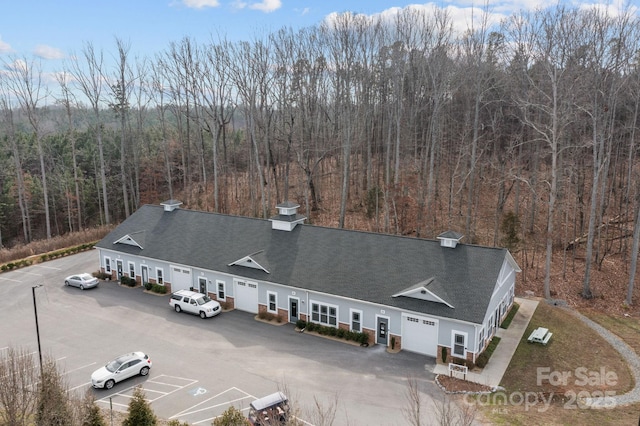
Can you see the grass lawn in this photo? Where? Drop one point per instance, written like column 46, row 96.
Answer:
column 576, row 362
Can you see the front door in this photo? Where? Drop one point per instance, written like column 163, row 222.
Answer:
column 293, row 310
column 119, row 268
column 144, row 270
column 382, row 332
column 202, row 282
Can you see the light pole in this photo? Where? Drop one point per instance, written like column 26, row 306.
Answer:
column 35, row 311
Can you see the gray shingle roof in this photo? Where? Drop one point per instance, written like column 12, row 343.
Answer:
column 354, row 264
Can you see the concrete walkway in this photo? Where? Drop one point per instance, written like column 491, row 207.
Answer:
column 491, row 374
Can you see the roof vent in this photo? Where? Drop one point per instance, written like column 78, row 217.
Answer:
column 171, row 205
column 287, row 217
column 449, row 239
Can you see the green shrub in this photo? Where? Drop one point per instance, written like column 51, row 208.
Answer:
column 300, row 324
column 512, row 313
column 363, row 339
column 147, row 285
column 157, row 288
column 341, row 332
column 131, row 282
column 484, row 357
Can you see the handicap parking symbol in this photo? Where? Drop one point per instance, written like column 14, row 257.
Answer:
column 198, row 391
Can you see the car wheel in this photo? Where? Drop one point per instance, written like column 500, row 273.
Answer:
column 178, row 308
column 81, row 287
column 144, row 371
column 109, row 384
column 203, row 315
column 66, row 283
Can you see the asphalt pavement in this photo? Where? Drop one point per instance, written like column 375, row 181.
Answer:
column 200, row 367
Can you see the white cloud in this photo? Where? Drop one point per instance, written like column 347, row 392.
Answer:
column 266, row 6
column 47, row 52
column 4, row 46
column 462, row 18
column 17, row 65
column 200, row 4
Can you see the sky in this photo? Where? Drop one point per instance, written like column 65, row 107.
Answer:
column 52, row 31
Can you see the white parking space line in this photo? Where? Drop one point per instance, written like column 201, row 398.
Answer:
column 47, row 267
column 31, row 273
column 147, row 389
column 198, row 408
column 191, row 410
column 80, row 386
column 9, row 279
column 79, row 368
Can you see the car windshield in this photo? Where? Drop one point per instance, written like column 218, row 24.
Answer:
column 203, row 300
column 86, row 277
column 113, row 365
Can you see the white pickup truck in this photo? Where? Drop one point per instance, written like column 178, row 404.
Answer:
column 194, row 303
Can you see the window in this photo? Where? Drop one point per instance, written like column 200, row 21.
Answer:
column 324, row 314
column 221, row 293
column 132, row 270
column 356, row 320
column 160, row 279
column 481, row 340
column 273, row 305
column 107, row 265
column 459, row 344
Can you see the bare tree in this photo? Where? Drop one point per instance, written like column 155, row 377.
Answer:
column 413, row 410
column 545, row 40
column 53, row 406
column 121, row 92
column 7, row 119
column 24, row 79
column 67, row 99
column 18, row 395
column 88, row 76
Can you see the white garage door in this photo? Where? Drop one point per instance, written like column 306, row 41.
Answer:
column 180, row 278
column 246, row 296
column 420, row 334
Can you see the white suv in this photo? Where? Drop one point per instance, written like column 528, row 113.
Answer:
column 194, row 303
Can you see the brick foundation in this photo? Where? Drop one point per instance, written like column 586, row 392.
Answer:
column 398, row 342
column 450, row 358
column 371, row 334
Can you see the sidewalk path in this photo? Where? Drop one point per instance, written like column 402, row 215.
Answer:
column 631, row 397
column 491, row 374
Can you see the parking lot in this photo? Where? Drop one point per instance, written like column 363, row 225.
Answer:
column 200, row 367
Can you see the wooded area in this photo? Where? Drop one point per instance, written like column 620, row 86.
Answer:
column 522, row 135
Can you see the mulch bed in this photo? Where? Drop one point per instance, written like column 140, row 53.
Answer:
column 455, row 385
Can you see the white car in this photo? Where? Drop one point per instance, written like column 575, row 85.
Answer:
column 194, row 303
column 121, row 368
column 82, row 281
